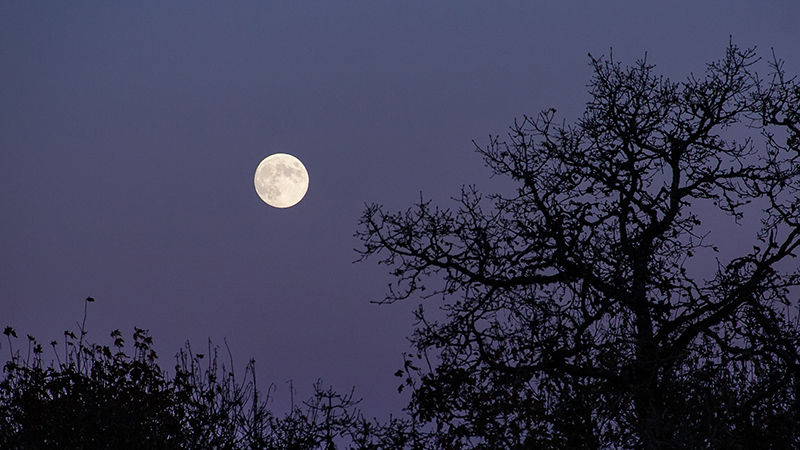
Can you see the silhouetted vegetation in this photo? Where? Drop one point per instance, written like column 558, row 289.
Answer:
column 100, row 397
column 591, row 309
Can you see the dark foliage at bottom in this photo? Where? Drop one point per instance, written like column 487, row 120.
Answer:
column 100, row 397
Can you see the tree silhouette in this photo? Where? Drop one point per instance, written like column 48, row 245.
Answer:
column 592, row 308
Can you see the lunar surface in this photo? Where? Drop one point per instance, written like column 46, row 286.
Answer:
column 281, row 180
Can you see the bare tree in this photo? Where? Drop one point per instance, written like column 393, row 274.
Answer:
column 592, row 308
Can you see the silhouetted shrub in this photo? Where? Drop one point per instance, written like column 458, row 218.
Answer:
column 100, row 397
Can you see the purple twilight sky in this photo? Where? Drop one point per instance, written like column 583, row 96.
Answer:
column 130, row 133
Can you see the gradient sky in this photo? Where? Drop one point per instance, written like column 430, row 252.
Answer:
column 130, row 133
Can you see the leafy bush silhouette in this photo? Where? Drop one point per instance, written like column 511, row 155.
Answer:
column 95, row 397
column 100, row 397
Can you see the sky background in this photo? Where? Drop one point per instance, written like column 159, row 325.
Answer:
column 130, row 133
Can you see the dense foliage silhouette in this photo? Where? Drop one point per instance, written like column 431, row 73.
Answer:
column 592, row 308
column 100, row 397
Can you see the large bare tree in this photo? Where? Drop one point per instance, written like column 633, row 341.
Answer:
column 593, row 308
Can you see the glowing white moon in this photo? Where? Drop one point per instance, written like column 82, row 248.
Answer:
column 281, row 180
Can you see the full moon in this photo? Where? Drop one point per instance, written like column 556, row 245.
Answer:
column 281, row 180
